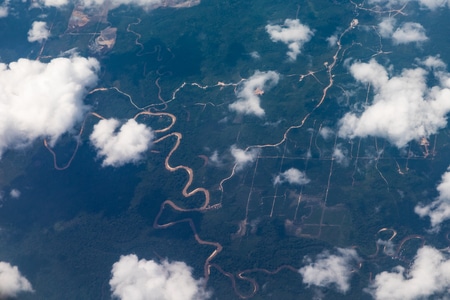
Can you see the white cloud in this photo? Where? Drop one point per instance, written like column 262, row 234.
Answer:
column 433, row 4
column 125, row 145
column 215, row 160
column 439, row 210
column 56, row 3
column 255, row 55
column 408, row 32
column 430, row 4
column 428, row 275
column 147, row 4
column 292, row 176
column 242, row 158
column 4, row 9
column 331, row 270
column 332, row 40
column 292, row 33
column 40, row 100
column 38, row 32
column 388, row 246
column 14, row 193
column 12, row 282
column 326, row 132
column 339, row 155
column 248, row 102
column 386, row 27
column 434, row 62
column 404, row 108
column 134, row 279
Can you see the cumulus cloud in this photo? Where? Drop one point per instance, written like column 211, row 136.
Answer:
column 292, row 176
column 4, row 9
column 255, row 55
column 12, row 282
column 248, row 93
column 215, row 159
column 243, row 158
column 388, row 246
column 292, row 33
column 434, row 62
column 326, row 132
column 339, row 155
column 439, row 210
column 403, row 109
column 409, row 32
column 120, row 146
column 148, row 280
column 429, row 4
column 147, row 4
column 332, row 40
column 386, row 27
column 331, row 270
column 38, row 32
column 14, row 193
column 39, row 100
column 427, row 276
